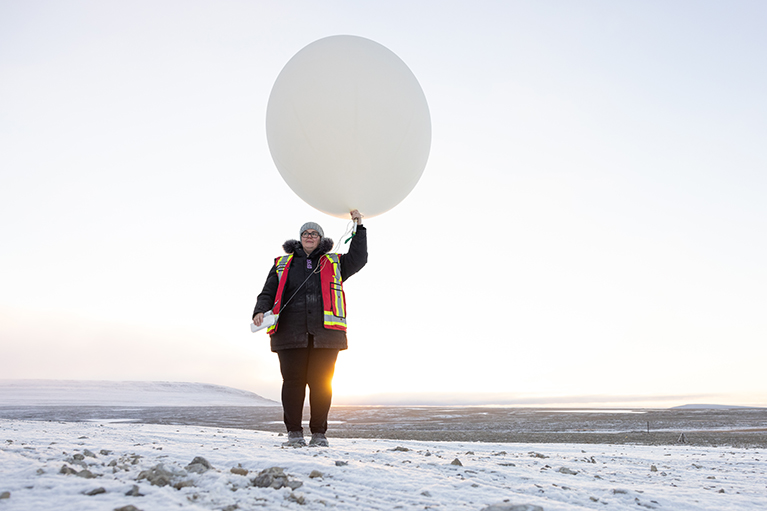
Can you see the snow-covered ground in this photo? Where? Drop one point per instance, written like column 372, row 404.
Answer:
column 105, row 466
column 123, row 393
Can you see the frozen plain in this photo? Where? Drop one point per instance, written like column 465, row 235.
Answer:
column 357, row 474
column 85, row 445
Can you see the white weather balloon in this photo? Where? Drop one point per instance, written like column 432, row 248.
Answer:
column 348, row 126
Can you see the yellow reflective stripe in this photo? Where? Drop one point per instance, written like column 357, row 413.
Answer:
column 338, row 325
column 331, row 318
column 339, row 302
column 336, row 289
column 281, row 263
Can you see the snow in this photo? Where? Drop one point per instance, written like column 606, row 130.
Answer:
column 361, row 474
column 123, row 393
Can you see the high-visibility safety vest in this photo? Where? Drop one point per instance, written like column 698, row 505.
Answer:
column 333, row 298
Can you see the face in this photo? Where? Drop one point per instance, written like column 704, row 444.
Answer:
column 310, row 240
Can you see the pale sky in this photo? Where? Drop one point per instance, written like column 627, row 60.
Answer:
column 590, row 227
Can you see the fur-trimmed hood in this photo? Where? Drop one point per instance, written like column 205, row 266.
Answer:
column 292, row 246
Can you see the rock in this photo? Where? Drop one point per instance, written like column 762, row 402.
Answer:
column 239, row 471
column 653, row 468
column 199, row 465
column 341, row 463
column 78, row 456
column 105, row 452
column 78, row 463
column 315, row 474
column 88, row 453
column 67, row 470
column 298, row 498
column 157, row 475
column 275, row 477
column 273, row 471
column 196, row 468
column 456, row 462
column 400, row 449
column 129, row 507
column 134, row 492
column 644, row 504
column 183, row 484
column 565, row 470
column 620, row 491
column 426, row 493
column 721, row 491
column 97, row 491
column 537, row 455
column 508, row 506
column 5, row 495
column 86, row 474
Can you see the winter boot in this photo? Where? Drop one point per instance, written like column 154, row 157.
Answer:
column 295, row 439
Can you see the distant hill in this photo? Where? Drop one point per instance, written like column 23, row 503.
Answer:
column 708, row 407
column 123, row 393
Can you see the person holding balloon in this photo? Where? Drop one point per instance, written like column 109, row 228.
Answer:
column 348, row 126
column 304, row 292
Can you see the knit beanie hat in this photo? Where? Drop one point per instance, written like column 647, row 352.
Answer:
column 312, row 225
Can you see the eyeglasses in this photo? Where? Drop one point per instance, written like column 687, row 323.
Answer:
column 308, row 234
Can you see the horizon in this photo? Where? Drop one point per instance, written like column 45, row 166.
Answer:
column 603, row 402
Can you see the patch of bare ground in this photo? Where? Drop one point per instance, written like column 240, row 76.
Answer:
column 707, row 427
column 718, row 438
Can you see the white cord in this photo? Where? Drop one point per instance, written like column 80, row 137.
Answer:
column 350, row 227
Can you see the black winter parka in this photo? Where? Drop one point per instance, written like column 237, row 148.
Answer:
column 303, row 314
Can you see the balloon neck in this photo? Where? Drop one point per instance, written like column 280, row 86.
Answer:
column 354, row 231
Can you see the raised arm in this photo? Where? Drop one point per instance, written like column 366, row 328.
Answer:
column 357, row 257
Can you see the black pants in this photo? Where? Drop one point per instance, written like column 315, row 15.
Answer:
column 301, row 367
